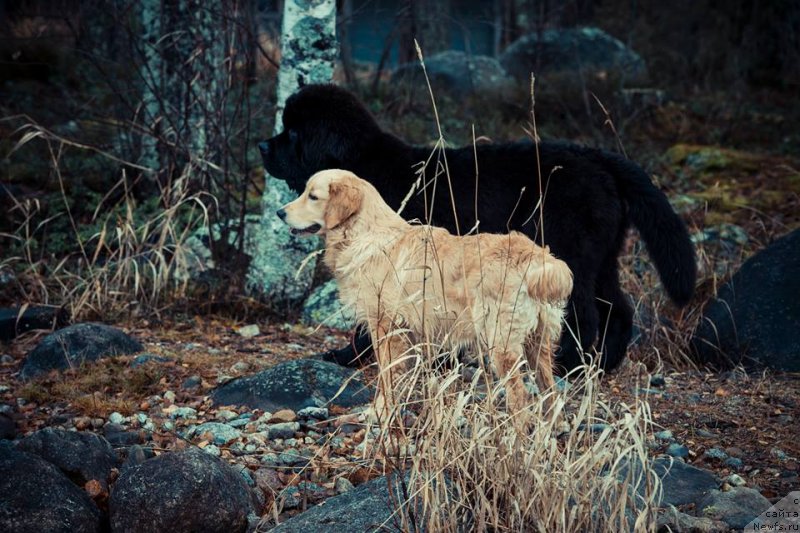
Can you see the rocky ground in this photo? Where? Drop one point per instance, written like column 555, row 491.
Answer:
column 741, row 429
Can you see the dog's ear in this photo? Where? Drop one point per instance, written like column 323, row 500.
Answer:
column 344, row 201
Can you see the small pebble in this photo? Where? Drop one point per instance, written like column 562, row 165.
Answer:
column 269, row 459
column 169, row 396
column 240, row 367
column 249, row 331
column 342, row 485
column 716, row 453
column 284, row 430
column 318, row 413
column 736, row 480
column 191, row 382
column 213, row 450
column 677, row 450
column 657, row 380
column 734, row 462
column 6, row 360
column 664, row 435
column 226, row 415
column 706, row 434
column 778, row 454
column 284, row 415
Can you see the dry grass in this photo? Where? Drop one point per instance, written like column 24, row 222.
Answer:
column 127, row 265
column 470, row 468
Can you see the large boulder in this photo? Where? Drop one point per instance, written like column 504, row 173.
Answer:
column 457, row 73
column 590, row 51
column 295, row 385
column 737, row 507
column 754, row 319
column 323, row 307
column 81, row 456
column 372, row 506
column 681, row 483
column 35, row 496
column 73, row 345
column 181, row 491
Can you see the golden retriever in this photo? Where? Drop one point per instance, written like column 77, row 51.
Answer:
column 501, row 294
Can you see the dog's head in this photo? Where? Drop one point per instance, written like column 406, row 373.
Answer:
column 331, row 197
column 324, row 126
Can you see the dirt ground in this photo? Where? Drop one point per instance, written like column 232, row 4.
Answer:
column 717, row 416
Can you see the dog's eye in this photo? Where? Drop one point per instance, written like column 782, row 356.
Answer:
column 312, row 197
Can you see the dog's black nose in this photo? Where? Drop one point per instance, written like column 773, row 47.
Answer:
column 263, row 146
column 281, row 213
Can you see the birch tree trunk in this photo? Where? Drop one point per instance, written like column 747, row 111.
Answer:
column 183, row 74
column 309, row 50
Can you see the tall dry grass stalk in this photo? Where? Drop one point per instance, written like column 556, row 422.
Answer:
column 128, row 264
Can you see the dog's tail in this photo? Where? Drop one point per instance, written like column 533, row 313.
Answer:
column 663, row 231
column 548, row 279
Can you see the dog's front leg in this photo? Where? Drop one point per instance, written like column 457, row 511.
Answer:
column 389, row 347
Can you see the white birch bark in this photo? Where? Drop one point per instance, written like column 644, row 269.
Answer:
column 308, row 52
column 183, row 71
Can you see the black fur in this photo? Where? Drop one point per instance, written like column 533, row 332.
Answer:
column 591, row 197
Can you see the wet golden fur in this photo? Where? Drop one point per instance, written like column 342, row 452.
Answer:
column 498, row 294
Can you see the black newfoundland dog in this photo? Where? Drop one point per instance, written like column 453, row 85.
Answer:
column 590, row 199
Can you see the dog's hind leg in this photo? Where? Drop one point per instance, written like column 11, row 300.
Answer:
column 507, row 362
column 539, row 353
column 582, row 322
column 616, row 323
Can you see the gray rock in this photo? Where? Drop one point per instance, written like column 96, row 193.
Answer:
column 117, row 436
column 292, row 457
column 181, row 491
column 73, row 345
column 573, row 50
column 677, row 450
column 681, row 483
column 342, row 485
column 116, row 418
column 136, row 456
column 222, row 433
column 295, row 385
column 145, row 358
column 282, row 430
column 82, row 456
column 35, row 497
column 664, row 435
column 736, row 507
column 317, row 413
column 368, row 507
column 457, row 73
column 754, row 318
column 192, row 382
column 674, row 521
column 323, row 307
column 657, row 380
column 715, row 453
